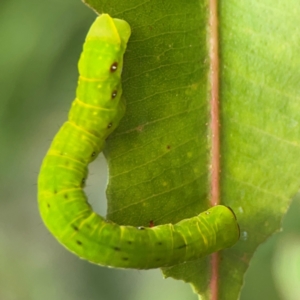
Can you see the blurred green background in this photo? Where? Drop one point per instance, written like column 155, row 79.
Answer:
column 40, row 43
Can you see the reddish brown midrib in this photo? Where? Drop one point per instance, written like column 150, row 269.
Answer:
column 215, row 138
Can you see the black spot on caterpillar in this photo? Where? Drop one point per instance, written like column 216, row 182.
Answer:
column 75, row 228
column 95, row 113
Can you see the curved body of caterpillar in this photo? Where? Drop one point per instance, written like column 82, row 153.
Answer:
column 95, row 113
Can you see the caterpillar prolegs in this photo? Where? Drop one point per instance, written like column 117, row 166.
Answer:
column 63, row 205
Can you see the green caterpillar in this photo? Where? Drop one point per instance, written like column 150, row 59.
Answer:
column 63, row 205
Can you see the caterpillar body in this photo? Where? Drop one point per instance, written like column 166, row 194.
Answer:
column 95, row 113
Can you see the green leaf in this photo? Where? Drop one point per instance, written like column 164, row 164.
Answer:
column 159, row 158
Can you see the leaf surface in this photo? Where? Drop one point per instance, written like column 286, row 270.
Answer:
column 160, row 156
